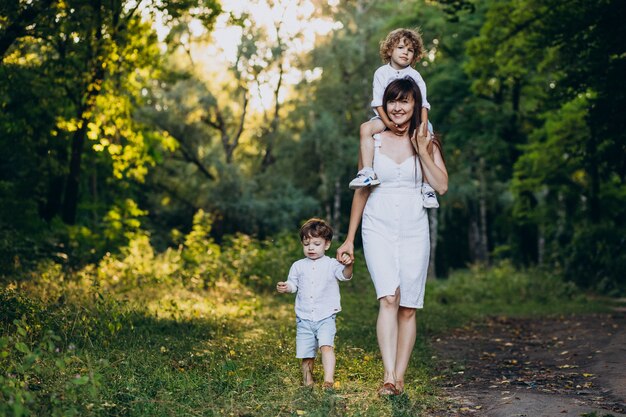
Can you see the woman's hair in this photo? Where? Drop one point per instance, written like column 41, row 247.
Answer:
column 402, row 88
column 411, row 36
column 316, row 228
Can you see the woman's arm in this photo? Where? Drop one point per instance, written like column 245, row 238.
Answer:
column 356, row 212
column 434, row 167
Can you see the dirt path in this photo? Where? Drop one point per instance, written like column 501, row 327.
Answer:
column 542, row 367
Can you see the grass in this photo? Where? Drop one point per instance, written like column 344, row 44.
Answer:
column 228, row 351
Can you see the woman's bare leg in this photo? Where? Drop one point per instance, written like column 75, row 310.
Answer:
column 387, row 332
column 406, row 340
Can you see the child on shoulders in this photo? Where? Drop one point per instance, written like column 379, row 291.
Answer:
column 400, row 50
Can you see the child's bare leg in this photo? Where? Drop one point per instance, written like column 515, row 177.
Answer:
column 307, row 371
column 328, row 361
column 366, row 177
column 366, row 149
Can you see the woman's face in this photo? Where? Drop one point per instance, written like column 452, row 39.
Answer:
column 400, row 110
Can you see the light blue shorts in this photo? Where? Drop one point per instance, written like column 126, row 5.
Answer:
column 310, row 335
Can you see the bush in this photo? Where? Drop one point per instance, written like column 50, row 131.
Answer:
column 596, row 259
column 260, row 264
column 502, row 284
column 39, row 351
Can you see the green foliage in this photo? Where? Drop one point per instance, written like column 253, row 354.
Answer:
column 200, row 254
column 72, row 347
column 112, row 138
column 260, row 264
column 503, row 285
column 44, row 371
column 502, row 289
column 596, row 258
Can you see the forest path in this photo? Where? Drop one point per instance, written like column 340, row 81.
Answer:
column 536, row 367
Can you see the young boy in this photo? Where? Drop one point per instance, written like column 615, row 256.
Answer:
column 400, row 50
column 314, row 279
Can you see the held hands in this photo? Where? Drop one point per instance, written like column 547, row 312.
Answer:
column 345, row 259
column 282, row 287
column 345, row 253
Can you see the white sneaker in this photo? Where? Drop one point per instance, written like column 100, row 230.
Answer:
column 364, row 178
column 429, row 196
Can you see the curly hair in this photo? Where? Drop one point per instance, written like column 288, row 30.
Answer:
column 316, row 228
column 412, row 36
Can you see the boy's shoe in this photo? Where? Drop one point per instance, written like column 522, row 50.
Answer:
column 429, row 196
column 364, row 178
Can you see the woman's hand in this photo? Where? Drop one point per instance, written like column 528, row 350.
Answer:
column 346, row 249
column 421, row 139
column 346, row 259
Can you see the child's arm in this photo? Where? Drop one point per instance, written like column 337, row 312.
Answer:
column 291, row 285
column 348, row 266
column 347, row 271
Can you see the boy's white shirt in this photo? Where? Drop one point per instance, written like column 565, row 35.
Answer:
column 386, row 74
column 315, row 282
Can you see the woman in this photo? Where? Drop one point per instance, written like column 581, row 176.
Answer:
column 395, row 226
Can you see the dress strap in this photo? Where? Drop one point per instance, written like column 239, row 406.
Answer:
column 377, row 140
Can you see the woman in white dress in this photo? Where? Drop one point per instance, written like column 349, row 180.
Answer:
column 395, row 226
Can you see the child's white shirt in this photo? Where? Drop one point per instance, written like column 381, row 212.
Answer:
column 386, row 74
column 315, row 282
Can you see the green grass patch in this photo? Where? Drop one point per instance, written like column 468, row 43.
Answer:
column 77, row 347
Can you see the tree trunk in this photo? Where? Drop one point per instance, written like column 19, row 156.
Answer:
column 52, row 205
column 541, row 246
column 484, row 243
column 96, row 68
column 482, row 204
column 70, row 202
column 337, row 206
column 474, row 239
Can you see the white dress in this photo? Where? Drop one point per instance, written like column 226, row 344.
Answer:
column 395, row 230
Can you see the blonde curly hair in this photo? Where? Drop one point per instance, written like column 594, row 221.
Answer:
column 412, row 37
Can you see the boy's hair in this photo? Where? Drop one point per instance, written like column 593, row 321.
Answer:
column 316, row 228
column 413, row 38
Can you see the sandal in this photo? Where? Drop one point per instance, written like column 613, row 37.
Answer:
column 388, row 388
column 328, row 386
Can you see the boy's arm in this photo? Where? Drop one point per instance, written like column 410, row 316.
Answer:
column 347, row 271
column 343, row 268
column 291, row 285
